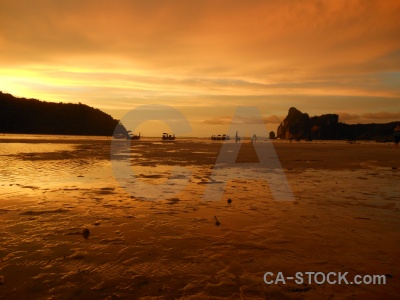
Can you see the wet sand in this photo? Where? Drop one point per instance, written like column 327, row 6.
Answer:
column 345, row 218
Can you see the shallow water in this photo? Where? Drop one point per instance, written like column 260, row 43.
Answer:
column 345, row 217
column 28, row 168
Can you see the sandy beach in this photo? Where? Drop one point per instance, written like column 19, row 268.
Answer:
column 345, row 217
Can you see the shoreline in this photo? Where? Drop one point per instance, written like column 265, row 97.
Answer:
column 9, row 137
column 345, row 218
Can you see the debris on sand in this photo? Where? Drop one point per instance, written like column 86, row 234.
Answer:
column 85, row 233
column 78, row 255
column 216, row 221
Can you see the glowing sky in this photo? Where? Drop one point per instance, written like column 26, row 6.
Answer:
column 205, row 58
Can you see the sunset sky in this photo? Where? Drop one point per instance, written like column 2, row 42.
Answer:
column 206, row 58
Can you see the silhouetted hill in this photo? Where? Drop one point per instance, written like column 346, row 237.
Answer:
column 21, row 115
column 298, row 125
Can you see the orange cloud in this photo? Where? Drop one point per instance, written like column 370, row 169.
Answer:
column 242, row 36
column 378, row 117
column 228, row 120
column 382, row 116
column 271, row 54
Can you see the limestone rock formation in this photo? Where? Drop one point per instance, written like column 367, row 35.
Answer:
column 298, row 125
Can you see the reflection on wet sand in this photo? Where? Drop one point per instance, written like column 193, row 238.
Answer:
column 345, row 218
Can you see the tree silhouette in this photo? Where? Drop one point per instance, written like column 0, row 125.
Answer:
column 21, row 115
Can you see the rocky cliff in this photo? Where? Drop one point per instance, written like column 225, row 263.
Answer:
column 298, row 125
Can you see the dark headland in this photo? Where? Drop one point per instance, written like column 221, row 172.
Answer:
column 298, row 125
column 31, row 116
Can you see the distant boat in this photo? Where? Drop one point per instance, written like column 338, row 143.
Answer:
column 220, row 137
column 120, row 136
column 168, row 137
column 135, row 137
column 129, row 136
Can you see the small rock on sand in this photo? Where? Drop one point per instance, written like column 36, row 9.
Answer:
column 78, row 255
column 229, row 201
column 85, row 233
column 2, row 280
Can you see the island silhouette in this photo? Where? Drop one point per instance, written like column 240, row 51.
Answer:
column 31, row 116
column 298, row 125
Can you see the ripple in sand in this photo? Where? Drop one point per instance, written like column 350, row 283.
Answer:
column 41, row 212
